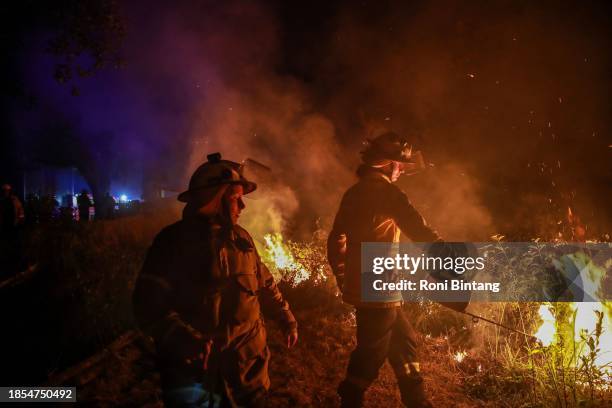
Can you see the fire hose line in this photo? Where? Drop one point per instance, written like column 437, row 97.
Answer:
column 475, row 318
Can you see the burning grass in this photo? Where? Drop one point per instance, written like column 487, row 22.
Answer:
column 565, row 362
column 91, row 270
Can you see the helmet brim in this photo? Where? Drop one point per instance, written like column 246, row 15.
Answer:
column 247, row 186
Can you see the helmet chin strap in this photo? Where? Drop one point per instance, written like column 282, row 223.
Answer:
column 382, row 164
column 386, row 168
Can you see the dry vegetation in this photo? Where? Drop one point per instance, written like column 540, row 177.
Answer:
column 91, row 270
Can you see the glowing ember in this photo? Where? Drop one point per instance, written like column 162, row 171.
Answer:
column 460, row 355
column 277, row 255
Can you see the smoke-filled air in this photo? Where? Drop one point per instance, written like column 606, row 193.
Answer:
column 476, row 122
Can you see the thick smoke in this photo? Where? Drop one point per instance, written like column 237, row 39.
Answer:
column 249, row 110
column 509, row 102
column 514, row 96
column 246, row 110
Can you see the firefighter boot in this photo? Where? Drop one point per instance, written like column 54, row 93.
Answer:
column 351, row 395
column 413, row 392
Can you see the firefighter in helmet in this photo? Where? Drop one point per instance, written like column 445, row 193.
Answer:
column 198, row 297
column 84, row 203
column 11, row 211
column 376, row 210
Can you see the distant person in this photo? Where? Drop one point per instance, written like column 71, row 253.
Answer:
column 11, row 211
column 134, row 207
column 11, row 218
column 48, row 208
column 84, row 203
column 108, row 207
column 32, row 209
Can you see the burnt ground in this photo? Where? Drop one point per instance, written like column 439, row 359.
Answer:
column 124, row 374
column 307, row 375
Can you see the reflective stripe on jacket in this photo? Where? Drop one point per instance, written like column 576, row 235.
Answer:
column 372, row 210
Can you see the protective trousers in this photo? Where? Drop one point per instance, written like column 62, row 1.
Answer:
column 383, row 333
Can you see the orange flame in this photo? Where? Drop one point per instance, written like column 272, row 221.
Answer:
column 585, row 314
column 460, row 356
column 277, row 255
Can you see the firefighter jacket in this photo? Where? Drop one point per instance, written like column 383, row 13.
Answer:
column 372, row 210
column 202, row 282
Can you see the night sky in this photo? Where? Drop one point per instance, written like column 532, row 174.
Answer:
column 510, row 101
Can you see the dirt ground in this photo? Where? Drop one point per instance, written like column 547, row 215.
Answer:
column 306, row 375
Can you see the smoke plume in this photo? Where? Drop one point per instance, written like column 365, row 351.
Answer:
column 509, row 101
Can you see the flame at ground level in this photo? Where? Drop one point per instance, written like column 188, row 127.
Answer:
column 546, row 332
column 460, row 356
column 585, row 322
column 277, row 255
column 580, row 320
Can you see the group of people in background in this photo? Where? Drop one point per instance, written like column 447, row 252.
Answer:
column 43, row 209
column 17, row 217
